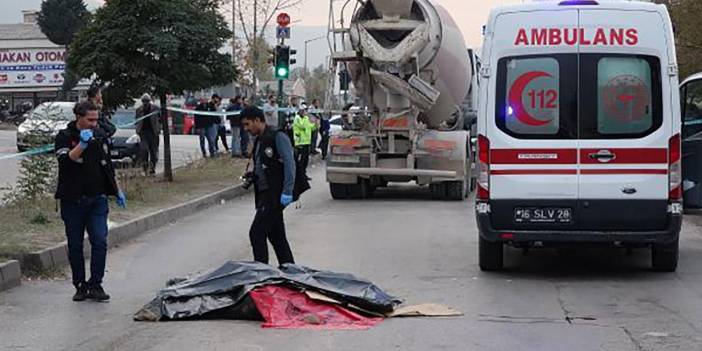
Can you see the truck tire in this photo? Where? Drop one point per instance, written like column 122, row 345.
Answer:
column 438, row 191
column 456, row 190
column 490, row 255
column 358, row 191
column 664, row 257
column 338, row 191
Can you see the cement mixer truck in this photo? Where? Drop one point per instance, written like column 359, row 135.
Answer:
column 411, row 72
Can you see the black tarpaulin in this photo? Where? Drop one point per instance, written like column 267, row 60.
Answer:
column 224, row 289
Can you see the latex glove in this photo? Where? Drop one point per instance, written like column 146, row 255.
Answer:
column 85, row 136
column 121, row 200
column 286, row 200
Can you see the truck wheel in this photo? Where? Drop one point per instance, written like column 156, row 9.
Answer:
column 358, row 191
column 664, row 257
column 456, row 190
column 438, row 191
column 338, row 191
column 490, row 255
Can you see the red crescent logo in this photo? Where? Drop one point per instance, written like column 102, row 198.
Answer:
column 515, row 98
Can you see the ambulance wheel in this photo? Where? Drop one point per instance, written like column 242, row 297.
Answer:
column 338, row 191
column 664, row 257
column 490, row 255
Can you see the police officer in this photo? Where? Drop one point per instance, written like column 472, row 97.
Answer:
column 274, row 181
column 86, row 178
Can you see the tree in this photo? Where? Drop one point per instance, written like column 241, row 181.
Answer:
column 254, row 18
column 685, row 16
column 157, row 46
column 316, row 82
column 60, row 20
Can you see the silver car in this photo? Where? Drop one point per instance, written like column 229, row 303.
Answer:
column 43, row 123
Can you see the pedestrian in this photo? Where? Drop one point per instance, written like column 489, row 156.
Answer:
column 303, row 129
column 324, row 131
column 86, row 178
column 270, row 110
column 221, row 128
column 104, row 122
column 206, row 128
column 235, row 122
column 149, row 130
column 245, row 136
column 316, row 118
column 273, row 177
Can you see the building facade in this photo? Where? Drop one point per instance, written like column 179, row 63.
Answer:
column 31, row 67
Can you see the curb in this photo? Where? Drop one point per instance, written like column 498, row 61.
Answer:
column 57, row 256
column 10, row 275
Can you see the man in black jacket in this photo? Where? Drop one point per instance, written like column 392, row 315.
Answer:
column 86, row 179
column 273, row 177
column 149, row 131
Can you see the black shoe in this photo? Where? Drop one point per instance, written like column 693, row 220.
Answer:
column 81, row 292
column 97, row 293
column 309, row 179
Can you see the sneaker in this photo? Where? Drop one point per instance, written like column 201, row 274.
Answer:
column 97, row 293
column 81, row 292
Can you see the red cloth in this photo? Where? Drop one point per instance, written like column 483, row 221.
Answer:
column 285, row 308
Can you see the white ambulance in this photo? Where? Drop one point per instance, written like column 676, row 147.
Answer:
column 579, row 129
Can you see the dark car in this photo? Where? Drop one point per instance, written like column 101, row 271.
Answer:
column 125, row 143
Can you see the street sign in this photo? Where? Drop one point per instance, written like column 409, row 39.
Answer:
column 283, row 19
column 282, row 32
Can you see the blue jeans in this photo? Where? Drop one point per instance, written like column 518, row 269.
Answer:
column 88, row 213
column 236, row 140
column 209, row 134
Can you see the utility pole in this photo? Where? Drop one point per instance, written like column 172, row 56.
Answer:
column 255, row 50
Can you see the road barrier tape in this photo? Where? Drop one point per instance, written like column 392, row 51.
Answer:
column 50, row 147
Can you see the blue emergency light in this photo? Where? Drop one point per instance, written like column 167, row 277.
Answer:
column 577, row 2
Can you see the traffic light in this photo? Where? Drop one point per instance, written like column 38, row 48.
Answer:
column 282, row 62
column 271, row 55
column 344, row 79
column 292, row 53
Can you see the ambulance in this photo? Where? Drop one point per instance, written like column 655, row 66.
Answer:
column 579, row 129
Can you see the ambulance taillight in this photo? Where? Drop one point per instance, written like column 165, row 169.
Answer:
column 483, row 168
column 674, row 169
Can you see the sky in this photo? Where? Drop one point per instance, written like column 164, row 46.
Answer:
column 310, row 21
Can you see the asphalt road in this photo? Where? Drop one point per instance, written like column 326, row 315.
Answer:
column 185, row 148
column 415, row 248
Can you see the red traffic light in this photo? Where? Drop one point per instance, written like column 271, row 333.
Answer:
column 283, row 19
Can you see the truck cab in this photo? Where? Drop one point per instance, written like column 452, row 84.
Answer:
column 579, row 133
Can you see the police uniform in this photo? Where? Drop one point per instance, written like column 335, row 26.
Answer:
column 274, row 171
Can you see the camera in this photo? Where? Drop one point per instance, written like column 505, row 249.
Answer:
column 248, row 178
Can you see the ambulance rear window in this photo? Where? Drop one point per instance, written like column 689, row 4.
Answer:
column 536, row 97
column 627, row 93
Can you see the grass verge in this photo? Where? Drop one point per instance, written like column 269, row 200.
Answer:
column 34, row 225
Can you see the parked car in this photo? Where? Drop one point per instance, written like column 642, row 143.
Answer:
column 125, row 143
column 43, row 123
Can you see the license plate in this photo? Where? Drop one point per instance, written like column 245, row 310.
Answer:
column 115, row 153
column 556, row 215
column 345, row 159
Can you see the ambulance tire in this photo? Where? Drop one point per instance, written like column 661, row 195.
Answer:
column 338, row 191
column 490, row 255
column 664, row 257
